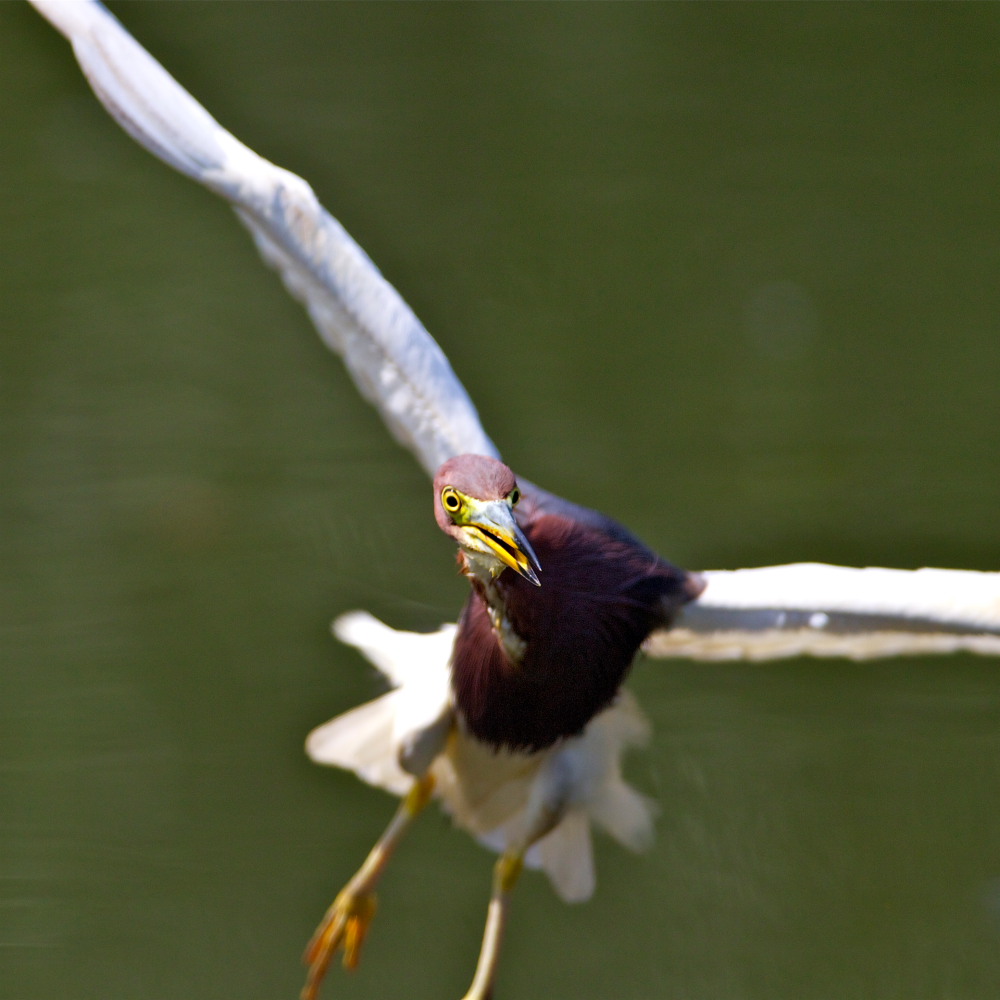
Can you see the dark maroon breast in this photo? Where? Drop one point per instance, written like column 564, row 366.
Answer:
column 602, row 593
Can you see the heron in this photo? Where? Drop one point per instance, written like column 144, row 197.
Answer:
column 561, row 599
column 515, row 719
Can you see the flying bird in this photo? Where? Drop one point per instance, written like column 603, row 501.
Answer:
column 561, row 600
column 515, row 719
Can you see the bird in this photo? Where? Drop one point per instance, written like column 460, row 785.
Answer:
column 527, row 783
column 561, row 599
column 540, row 651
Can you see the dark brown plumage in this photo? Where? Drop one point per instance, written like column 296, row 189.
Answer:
column 601, row 593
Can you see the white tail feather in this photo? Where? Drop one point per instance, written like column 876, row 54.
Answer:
column 566, row 855
column 361, row 741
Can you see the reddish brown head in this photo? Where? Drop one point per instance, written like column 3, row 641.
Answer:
column 474, row 500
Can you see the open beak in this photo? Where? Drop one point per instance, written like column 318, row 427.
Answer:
column 492, row 526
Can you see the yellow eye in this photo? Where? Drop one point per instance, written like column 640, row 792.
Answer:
column 514, row 496
column 451, row 501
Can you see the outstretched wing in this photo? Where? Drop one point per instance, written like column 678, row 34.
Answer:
column 395, row 362
column 817, row 610
column 743, row 614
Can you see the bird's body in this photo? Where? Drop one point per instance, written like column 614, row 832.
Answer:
column 562, row 598
column 534, row 664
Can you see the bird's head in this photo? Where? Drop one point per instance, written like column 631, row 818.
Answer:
column 474, row 501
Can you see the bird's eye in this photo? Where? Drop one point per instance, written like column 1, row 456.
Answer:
column 451, row 500
column 514, row 496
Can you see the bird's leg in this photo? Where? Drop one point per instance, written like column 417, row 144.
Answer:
column 545, row 811
column 505, row 874
column 346, row 921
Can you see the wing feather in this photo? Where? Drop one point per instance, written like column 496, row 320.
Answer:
column 397, row 365
column 811, row 609
column 394, row 361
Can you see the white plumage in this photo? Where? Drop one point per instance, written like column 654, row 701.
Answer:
column 394, row 361
column 488, row 794
column 811, row 609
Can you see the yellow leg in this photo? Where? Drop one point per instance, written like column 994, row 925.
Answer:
column 505, row 874
column 546, row 809
column 347, row 920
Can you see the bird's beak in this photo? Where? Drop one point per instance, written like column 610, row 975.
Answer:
column 490, row 526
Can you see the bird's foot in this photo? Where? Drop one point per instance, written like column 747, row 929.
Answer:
column 346, row 922
column 345, row 925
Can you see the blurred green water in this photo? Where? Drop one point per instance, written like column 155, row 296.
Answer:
column 743, row 263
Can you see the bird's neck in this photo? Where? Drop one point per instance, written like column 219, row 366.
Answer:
column 479, row 566
column 484, row 574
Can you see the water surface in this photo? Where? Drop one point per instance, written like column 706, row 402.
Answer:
column 730, row 273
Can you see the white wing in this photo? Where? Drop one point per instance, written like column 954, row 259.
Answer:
column 395, row 362
column 744, row 614
column 817, row 610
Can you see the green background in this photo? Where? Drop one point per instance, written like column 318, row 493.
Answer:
column 730, row 273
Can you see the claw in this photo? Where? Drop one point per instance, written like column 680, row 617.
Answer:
column 357, row 929
column 345, row 925
column 346, row 922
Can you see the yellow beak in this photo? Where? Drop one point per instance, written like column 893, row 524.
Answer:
column 490, row 527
